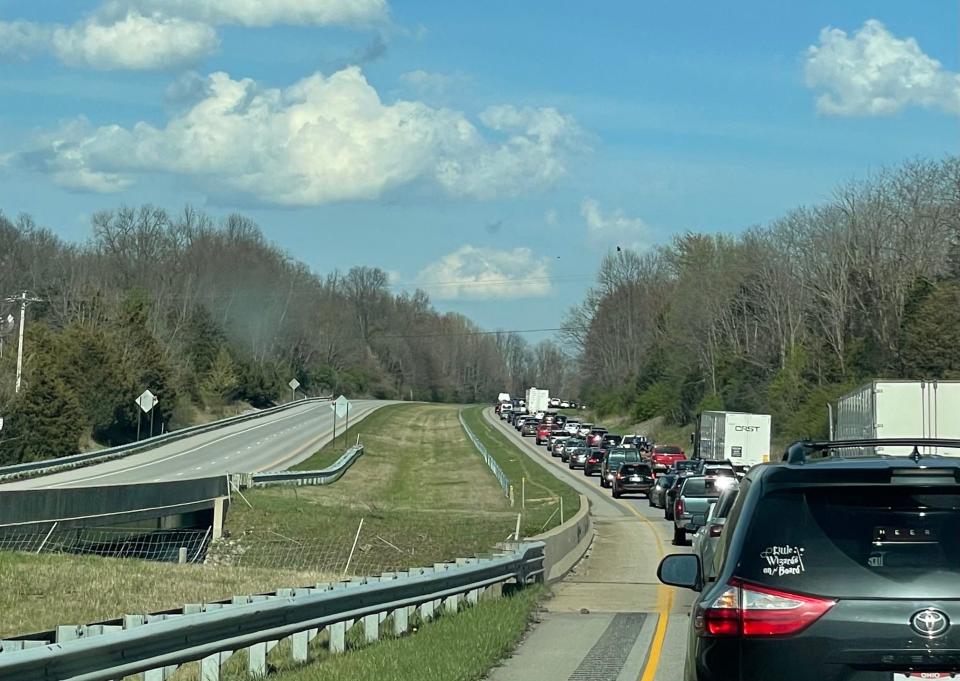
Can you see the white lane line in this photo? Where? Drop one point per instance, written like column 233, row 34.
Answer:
column 188, row 451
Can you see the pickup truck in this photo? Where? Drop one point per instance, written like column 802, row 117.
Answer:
column 663, row 457
column 693, row 504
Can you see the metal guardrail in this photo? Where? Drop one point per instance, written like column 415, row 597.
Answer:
column 34, row 468
column 211, row 633
column 491, row 462
column 324, row 476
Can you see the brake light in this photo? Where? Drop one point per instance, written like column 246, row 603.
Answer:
column 715, row 530
column 678, row 507
column 619, row 476
column 757, row 611
column 593, row 459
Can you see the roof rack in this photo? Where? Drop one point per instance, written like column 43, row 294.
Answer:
column 800, row 451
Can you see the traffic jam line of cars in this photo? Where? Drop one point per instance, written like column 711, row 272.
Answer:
column 688, row 491
column 834, row 564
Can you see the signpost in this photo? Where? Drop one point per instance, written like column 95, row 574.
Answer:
column 341, row 408
column 294, row 384
column 147, row 401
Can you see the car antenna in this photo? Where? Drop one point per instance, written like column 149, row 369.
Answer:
column 915, row 455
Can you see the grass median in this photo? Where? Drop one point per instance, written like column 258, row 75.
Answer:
column 423, row 494
column 543, row 489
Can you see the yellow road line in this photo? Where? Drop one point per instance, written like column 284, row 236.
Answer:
column 664, row 605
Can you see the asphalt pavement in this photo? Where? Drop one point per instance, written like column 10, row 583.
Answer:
column 610, row 619
column 273, row 442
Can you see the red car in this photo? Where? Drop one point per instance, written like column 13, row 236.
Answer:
column 664, row 455
column 543, row 433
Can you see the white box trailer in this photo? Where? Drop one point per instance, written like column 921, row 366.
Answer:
column 537, row 400
column 736, row 436
column 887, row 409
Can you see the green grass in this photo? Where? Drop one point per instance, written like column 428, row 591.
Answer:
column 375, row 423
column 39, row 592
column 423, row 494
column 461, row 647
column 543, row 489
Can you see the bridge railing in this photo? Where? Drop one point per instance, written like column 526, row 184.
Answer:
column 34, row 468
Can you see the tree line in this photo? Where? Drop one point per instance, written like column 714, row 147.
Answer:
column 207, row 314
column 786, row 316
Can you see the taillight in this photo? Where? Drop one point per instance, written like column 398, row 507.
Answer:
column 751, row 610
column 619, row 476
column 715, row 530
column 678, row 507
column 593, row 459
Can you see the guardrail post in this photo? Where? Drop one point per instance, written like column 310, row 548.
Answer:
column 451, row 603
column 426, row 609
column 473, row 595
column 171, row 669
column 371, row 623
column 210, row 668
column 257, row 653
column 129, row 622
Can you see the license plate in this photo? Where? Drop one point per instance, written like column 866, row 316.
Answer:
column 914, row 676
column 634, row 478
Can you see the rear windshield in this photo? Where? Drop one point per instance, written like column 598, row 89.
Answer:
column 635, row 469
column 700, row 487
column 669, row 449
column 857, row 542
column 616, row 458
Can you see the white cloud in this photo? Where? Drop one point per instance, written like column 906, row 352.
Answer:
column 22, row 40
column 323, row 139
column 550, row 217
column 614, row 228
column 532, row 155
column 429, row 82
column 485, row 273
column 132, row 41
column 155, row 34
column 874, row 73
column 265, row 12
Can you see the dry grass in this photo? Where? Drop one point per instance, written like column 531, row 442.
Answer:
column 39, row 592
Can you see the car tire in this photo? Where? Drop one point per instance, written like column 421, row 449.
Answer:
column 650, row 501
column 616, row 494
column 679, row 537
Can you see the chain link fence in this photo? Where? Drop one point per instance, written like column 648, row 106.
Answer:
column 171, row 546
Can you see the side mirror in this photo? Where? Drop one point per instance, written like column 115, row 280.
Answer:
column 681, row 569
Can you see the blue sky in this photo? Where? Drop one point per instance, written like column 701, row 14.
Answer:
column 488, row 152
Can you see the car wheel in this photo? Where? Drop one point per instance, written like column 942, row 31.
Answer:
column 616, row 494
column 650, row 501
column 679, row 537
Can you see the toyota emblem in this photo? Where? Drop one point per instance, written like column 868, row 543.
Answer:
column 930, row 623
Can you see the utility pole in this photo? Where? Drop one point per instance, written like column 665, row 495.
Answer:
column 24, row 299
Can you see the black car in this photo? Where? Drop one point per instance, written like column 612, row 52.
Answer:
column 594, row 462
column 831, row 569
column 658, row 493
column 610, row 440
column 632, row 478
column 611, row 462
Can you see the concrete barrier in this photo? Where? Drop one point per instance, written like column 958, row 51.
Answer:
column 567, row 543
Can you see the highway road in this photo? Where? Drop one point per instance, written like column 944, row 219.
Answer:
column 273, row 442
column 610, row 618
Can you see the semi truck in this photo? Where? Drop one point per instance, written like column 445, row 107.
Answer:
column 738, row 437
column 899, row 408
column 537, row 400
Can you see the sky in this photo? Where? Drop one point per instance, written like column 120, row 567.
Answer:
column 489, row 153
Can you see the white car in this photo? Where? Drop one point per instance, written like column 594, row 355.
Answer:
column 564, row 404
column 572, row 427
